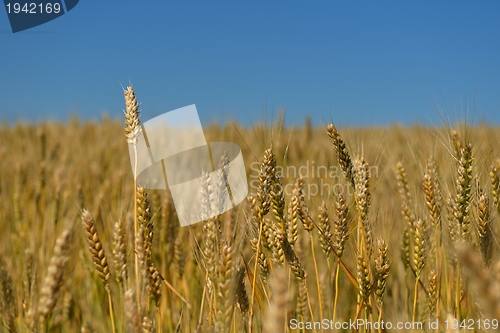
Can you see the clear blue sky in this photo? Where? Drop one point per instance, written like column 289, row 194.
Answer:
column 356, row 62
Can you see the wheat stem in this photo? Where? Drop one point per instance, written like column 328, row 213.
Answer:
column 136, row 232
column 111, row 312
column 415, row 296
column 317, row 280
column 336, row 297
column 254, row 280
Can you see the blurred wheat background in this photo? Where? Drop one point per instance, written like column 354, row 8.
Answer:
column 393, row 224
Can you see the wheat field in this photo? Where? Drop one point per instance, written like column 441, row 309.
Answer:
column 345, row 229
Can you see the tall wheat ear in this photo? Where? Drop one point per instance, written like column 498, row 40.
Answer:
column 132, row 114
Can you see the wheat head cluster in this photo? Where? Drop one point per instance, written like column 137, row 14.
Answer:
column 397, row 224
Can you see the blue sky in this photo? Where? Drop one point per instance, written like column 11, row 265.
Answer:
column 355, row 62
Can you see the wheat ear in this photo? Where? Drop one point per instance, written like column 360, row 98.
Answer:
column 132, row 320
column 7, row 300
column 308, row 223
column 261, row 209
column 341, row 235
column 343, row 157
column 484, row 227
column 363, row 281
column 464, row 186
column 325, row 237
column 433, row 292
column 382, row 267
column 419, row 257
column 241, row 293
column 363, row 200
column 495, row 184
column 99, row 258
column 54, row 276
column 120, row 253
column 225, row 290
